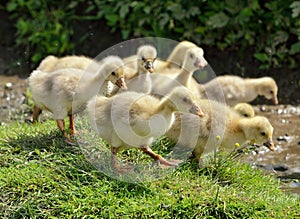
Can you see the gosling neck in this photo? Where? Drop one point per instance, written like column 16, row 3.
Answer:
column 184, row 77
column 141, row 69
column 244, row 124
column 92, row 83
column 185, row 74
column 166, row 108
column 252, row 88
column 144, row 82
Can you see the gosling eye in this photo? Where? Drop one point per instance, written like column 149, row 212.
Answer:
column 191, row 55
column 245, row 115
column 185, row 99
column 113, row 73
column 263, row 133
column 271, row 92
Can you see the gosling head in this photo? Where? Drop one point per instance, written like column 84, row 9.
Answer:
column 113, row 67
column 146, row 56
column 244, row 109
column 269, row 89
column 183, row 100
column 194, row 59
column 260, row 130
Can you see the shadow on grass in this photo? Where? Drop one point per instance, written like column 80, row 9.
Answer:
column 50, row 150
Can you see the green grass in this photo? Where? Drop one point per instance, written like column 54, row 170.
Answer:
column 42, row 177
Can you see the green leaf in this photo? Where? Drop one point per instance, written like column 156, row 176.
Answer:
column 164, row 19
column 179, row 29
column 11, row 6
column 263, row 57
column 233, row 6
column 72, row 4
column 218, row 20
column 194, row 11
column 245, row 15
column 125, row 34
column 264, row 67
column 295, row 9
column 147, row 9
column 295, row 48
column 279, row 37
column 176, row 10
column 36, row 57
column 23, row 26
column 100, row 14
column 124, row 10
column 112, row 19
column 200, row 29
column 37, row 151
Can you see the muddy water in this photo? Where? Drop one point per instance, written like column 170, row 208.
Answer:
column 13, row 101
column 284, row 161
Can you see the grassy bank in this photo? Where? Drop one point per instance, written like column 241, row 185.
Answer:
column 42, row 177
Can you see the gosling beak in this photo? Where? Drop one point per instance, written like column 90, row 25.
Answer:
column 149, row 66
column 121, row 83
column 200, row 63
column 195, row 109
column 269, row 144
column 275, row 100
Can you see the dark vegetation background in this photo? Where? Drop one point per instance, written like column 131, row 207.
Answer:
column 248, row 38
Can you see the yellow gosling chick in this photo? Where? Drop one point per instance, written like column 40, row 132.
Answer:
column 52, row 63
column 133, row 119
column 176, row 57
column 237, row 90
column 220, row 128
column 48, row 63
column 66, row 91
column 140, row 80
column 244, row 109
column 193, row 60
column 174, row 61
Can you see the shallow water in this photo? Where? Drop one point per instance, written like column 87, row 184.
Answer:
column 284, row 161
column 13, row 101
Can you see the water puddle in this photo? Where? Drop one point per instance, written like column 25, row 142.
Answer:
column 13, row 101
column 285, row 160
